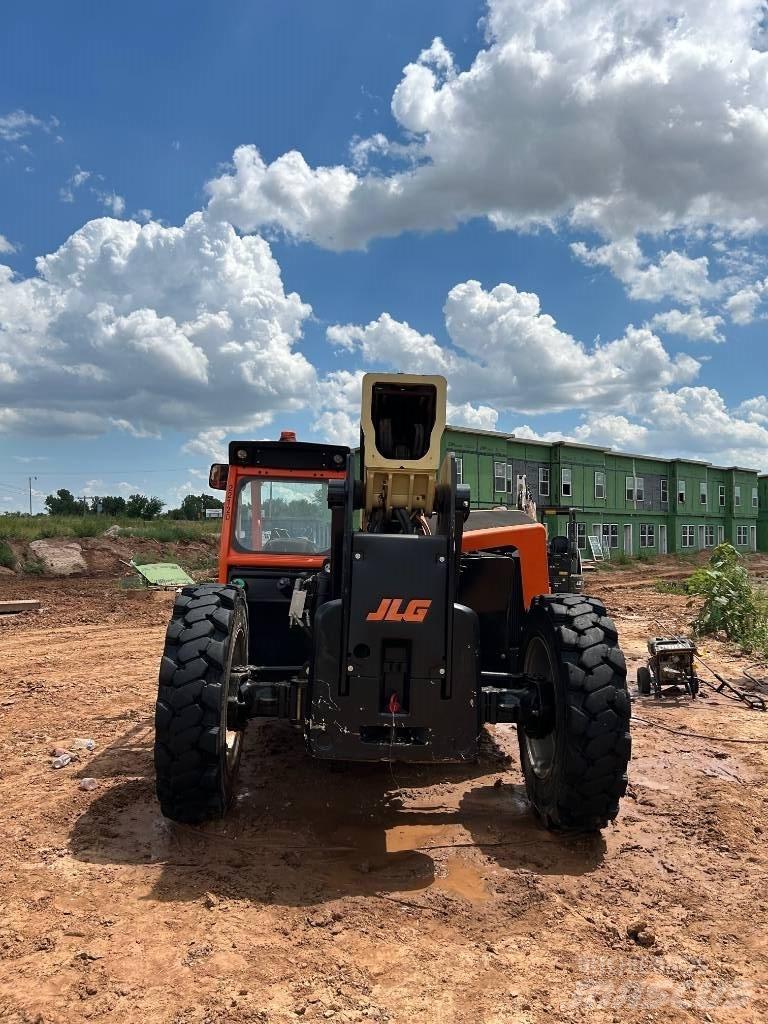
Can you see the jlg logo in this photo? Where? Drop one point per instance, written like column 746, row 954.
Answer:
column 391, row 610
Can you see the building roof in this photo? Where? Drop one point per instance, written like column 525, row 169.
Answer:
column 503, row 435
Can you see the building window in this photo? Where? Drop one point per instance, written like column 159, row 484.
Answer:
column 565, row 482
column 755, row 500
column 600, row 485
column 665, row 492
column 500, row 476
column 581, row 536
column 459, row 470
column 720, row 534
column 635, row 488
column 709, row 536
column 610, row 532
column 721, row 495
column 689, row 537
column 703, row 493
column 681, row 492
column 737, row 496
column 647, row 535
column 742, row 536
column 544, row 483
column 511, row 483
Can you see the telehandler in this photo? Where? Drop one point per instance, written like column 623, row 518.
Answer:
column 353, row 601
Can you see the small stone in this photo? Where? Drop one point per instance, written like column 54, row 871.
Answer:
column 91, row 990
column 59, row 751
column 210, row 901
column 640, row 933
column 88, row 785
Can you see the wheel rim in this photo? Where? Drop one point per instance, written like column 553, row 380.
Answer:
column 538, row 665
column 233, row 736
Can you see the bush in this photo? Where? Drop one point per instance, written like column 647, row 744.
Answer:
column 34, row 567
column 86, row 528
column 6, row 556
column 731, row 604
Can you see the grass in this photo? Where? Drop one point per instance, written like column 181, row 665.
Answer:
column 669, row 587
column 6, row 556
column 29, row 528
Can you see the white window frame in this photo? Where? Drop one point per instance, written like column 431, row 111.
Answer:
column 720, row 534
column 647, row 535
column 688, row 537
column 709, row 536
column 703, row 493
column 629, row 488
column 721, row 495
column 755, row 498
column 459, row 469
column 600, row 483
column 681, row 492
column 566, row 480
column 737, row 496
column 610, row 532
column 511, row 482
column 581, row 536
column 543, row 482
column 499, row 476
column 639, row 488
column 664, row 491
column 742, row 532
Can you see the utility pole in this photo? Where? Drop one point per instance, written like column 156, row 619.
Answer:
column 30, row 493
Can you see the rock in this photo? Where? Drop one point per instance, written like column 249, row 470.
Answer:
column 61, row 558
column 61, row 761
column 640, row 933
column 59, row 751
column 113, row 531
column 88, row 785
column 5, row 571
column 82, row 744
column 210, row 901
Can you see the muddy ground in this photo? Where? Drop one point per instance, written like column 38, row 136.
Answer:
column 410, row 895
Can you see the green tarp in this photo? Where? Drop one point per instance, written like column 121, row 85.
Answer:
column 163, row 574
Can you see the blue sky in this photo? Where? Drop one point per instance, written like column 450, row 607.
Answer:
column 576, row 239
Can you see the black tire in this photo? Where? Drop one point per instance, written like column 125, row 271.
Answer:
column 198, row 736
column 575, row 761
column 644, row 680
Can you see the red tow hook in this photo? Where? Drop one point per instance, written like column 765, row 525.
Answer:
column 394, row 707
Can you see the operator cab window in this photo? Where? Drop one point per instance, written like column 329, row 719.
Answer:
column 282, row 517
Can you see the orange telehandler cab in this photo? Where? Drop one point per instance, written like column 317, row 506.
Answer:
column 360, row 606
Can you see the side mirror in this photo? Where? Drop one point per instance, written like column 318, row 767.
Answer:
column 217, row 478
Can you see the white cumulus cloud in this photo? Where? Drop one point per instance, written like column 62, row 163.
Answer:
column 690, row 323
column 145, row 328
column 616, row 116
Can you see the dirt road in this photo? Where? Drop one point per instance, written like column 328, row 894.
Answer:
column 410, row 895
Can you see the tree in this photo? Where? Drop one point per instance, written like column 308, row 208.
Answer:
column 139, row 506
column 194, row 505
column 63, row 503
column 112, row 505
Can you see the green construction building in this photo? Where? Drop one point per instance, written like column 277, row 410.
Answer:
column 635, row 503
